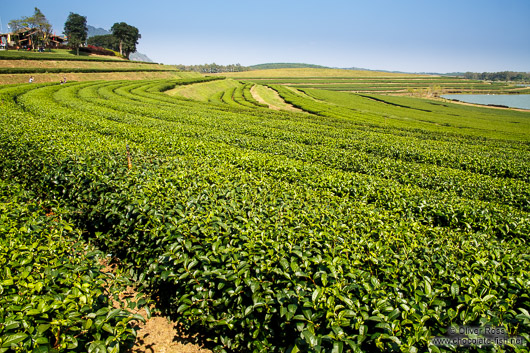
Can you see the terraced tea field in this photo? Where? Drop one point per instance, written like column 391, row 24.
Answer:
column 18, row 66
column 374, row 82
column 363, row 223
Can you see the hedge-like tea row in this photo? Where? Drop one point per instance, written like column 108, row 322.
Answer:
column 53, row 297
column 252, row 227
column 409, row 113
column 336, row 152
column 25, row 55
column 52, row 70
column 390, row 84
column 247, row 95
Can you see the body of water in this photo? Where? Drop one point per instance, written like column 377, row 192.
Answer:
column 510, row 100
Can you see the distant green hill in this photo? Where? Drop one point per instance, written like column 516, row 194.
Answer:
column 285, row 66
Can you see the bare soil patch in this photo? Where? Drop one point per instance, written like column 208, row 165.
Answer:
column 158, row 334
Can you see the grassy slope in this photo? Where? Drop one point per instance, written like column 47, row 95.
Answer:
column 56, row 54
column 203, row 91
column 373, row 81
column 434, row 115
column 308, row 72
column 88, row 64
column 271, row 97
column 63, row 59
column 285, row 66
column 109, row 76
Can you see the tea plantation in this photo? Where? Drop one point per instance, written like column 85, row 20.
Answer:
column 363, row 224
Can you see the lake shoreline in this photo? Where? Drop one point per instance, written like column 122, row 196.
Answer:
column 479, row 105
column 493, row 105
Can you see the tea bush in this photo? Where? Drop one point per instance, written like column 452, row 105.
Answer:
column 276, row 231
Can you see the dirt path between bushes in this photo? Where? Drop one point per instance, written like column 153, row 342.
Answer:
column 158, row 334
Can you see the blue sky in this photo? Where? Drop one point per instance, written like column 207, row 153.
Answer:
column 404, row 35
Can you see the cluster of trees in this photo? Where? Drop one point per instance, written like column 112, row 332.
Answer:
column 213, row 68
column 124, row 37
column 41, row 28
column 108, row 41
column 75, row 28
column 499, row 76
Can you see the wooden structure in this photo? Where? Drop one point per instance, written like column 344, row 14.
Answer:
column 31, row 38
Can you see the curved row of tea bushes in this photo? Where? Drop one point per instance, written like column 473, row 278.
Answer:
column 411, row 114
column 391, row 84
column 264, row 247
column 247, row 95
column 51, row 70
column 308, row 145
column 53, row 295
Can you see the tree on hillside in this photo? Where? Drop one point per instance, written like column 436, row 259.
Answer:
column 210, row 68
column 498, row 76
column 107, row 41
column 40, row 28
column 75, row 28
column 127, row 36
column 43, row 28
column 16, row 26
